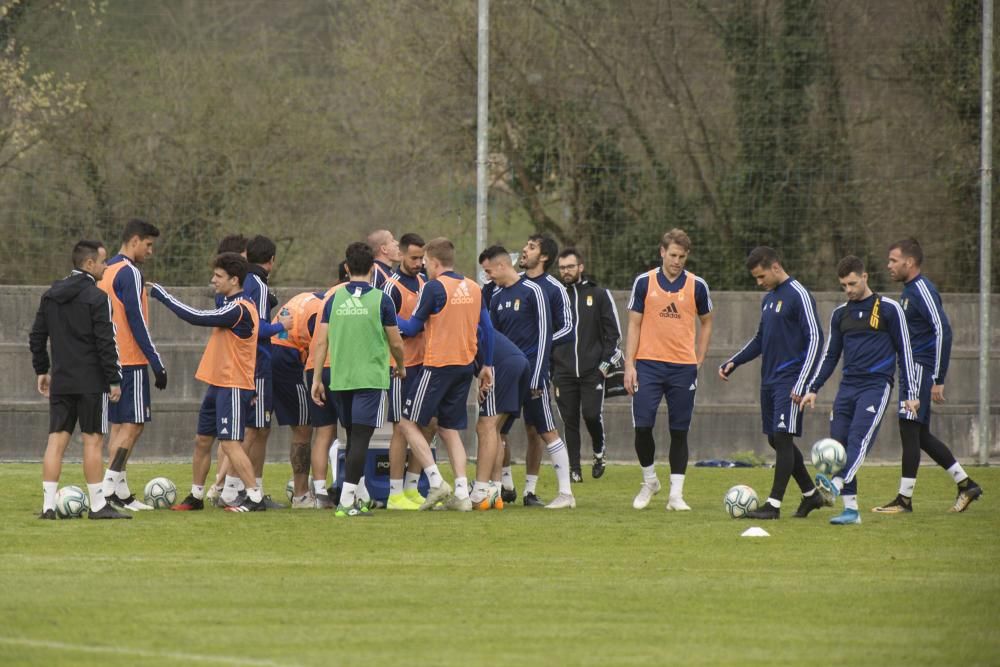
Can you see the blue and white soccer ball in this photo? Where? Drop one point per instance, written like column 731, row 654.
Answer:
column 71, row 502
column 161, row 493
column 739, row 500
column 829, row 456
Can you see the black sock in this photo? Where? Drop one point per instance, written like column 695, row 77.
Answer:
column 784, row 462
column 678, row 452
column 118, row 462
column 909, row 436
column 359, row 436
column 645, row 447
column 935, row 449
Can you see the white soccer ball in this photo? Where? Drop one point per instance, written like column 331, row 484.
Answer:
column 160, row 493
column 739, row 500
column 71, row 502
column 829, row 456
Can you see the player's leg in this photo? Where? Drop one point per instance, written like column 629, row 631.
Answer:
column 128, row 417
column 362, row 411
column 567, row 395
column 400, row 471
column 62, row 421
column 909, row 437
column 645, row 401
column 532, row 465
column 968, row 490
column 538, row 414
column 92, row 409
column 592, row 407
column 234, row 407
column 201, row 460
column 419, row 409
column 680, row 392
column 299, row 456
column 869, row 406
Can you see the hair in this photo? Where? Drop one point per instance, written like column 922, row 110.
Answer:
column 677, row 237
column 343, row 275
column 360, row 258
column 762, row 256
column 233, row 264
column 84, row 250
column 233, row 243
column 493, row 252
column 140, row 228
column 909, row 248
column 408, row 239
column 571, row 251
column 442, row 250
column 849, row 265
column 261, row 250
column 375, row 239
column 548, row 247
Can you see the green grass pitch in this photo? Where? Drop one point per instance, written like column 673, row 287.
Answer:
column 601, row 585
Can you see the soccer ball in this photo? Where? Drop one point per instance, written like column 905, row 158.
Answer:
column 160, row 493
column 739, row 500
column 829, row 456
column 290, row 487
column 71, row 502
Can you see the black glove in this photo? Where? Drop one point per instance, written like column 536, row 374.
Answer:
column 161, row 379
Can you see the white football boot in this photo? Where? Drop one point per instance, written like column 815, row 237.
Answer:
column 562, row 501
column 677, row 504
column 646, row 493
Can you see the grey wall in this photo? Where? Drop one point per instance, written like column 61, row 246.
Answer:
column 726, row 416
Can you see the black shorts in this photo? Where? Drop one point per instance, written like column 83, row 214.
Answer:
column 90, row 410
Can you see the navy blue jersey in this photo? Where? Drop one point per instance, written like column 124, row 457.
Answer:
column 521, row 313
column 255, row 288
column 231, row 313
column 387, row 311
column 381, row 272
column 930, row 331
column 702, row 297
column 503, row 349
column 488, row 289
column 874, row 340
column 560, row 312
column 788, row 338
column 128, row 284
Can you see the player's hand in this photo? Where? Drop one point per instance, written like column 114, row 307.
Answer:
column 318, row 395
column 631, row 380
column 808, row 400
column 161, row 379
column 285, row 320
column 535, row 393
column 796, row 398
column 725, row 370
column 156, row 291
column 399, row 371
column 43, row 384
column 912, row 406
column 937, row 393
column 483, row 390
column 115, row 393
column 486, row 377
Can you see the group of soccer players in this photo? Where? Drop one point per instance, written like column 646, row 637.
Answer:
column 403, row 335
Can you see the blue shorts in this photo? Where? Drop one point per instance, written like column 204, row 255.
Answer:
column 361, row 406
column 260, row 415
column 399, row 390
column 326, row 414
column 925, row 382
column 291, row 403
column 133, row 408
column 440, row 392
column 223, row 412
column 678, row 382
column 854, row 422
column 511, row 389
column 538, row 411
column 778, row 413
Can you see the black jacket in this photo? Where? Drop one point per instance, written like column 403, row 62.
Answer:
column 76, row 315
column 596, row 331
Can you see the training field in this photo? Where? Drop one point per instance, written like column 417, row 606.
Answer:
column 601, row 585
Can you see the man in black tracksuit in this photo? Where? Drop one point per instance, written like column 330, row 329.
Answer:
column 84, row 373
column 579, row 369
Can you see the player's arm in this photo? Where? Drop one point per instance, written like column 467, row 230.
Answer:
column 904, row 354
column 544, row 349
column 703, row 301
column 611, row 332
column 750, row 351
column 128, row 288
column 227, row 316
column 387, row 312
column 813, row 335
column 562, row 318
column 321, row 351
column 430, row 301
column 38, row 343
column 489, row 336
column 636, row 306
column 107, row 349
column 929, row 308
column 831, row 355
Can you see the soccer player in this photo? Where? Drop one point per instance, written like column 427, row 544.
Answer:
column 124, row 285
column 385, row 249
column 788, row 341
column 358, row 328
column 449, row 310
column 233, row 243
column 403, row 287
column 519, row 309
column 538, row 254
column 578, row 370
column 930, row 335
column 664, row 349
column 870, row 331
column 81, row 377
column 228, row 368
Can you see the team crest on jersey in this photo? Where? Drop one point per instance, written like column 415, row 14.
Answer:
column 461, row 295
column 777, row 308
column 590, row 300
column 517, row 304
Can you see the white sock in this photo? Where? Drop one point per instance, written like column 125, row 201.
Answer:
column 649, row 475
column 333, row 453
column 479, row 492
column 395, row 487
column 319, row 487
column 809, row 493
column 49, row 490
column 906, row 485
column 560, row 461
column 506, row 478
column 410, row 480
column 348, row 494
column 260, row 483
column 255, row 494
column 97, row 501
column 850, row 502
column 774, row 503
column 461, row 487
column 362, row 491
column 676, row 486
column 838, row 482
column 110, row 483
column 957, row 472
column 198, row 491
column 434, row 477
column 530, row 482
column 231, row 488
column 122, row 487
column 240, row 486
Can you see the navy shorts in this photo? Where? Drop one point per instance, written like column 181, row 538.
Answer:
column 399, row 390
column 778, row 413
column 925, row 382
column 260, row 415
column 678, row 382
column 133, row 408
column 361, row 406
column 224, row 412
column 538, row 411
column 440, row 392
column 291, row 403
column 326, row 414
column 854, row 423
column 511, row 389
column 89, row 410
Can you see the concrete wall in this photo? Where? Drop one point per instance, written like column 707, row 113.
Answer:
column 726, row 418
